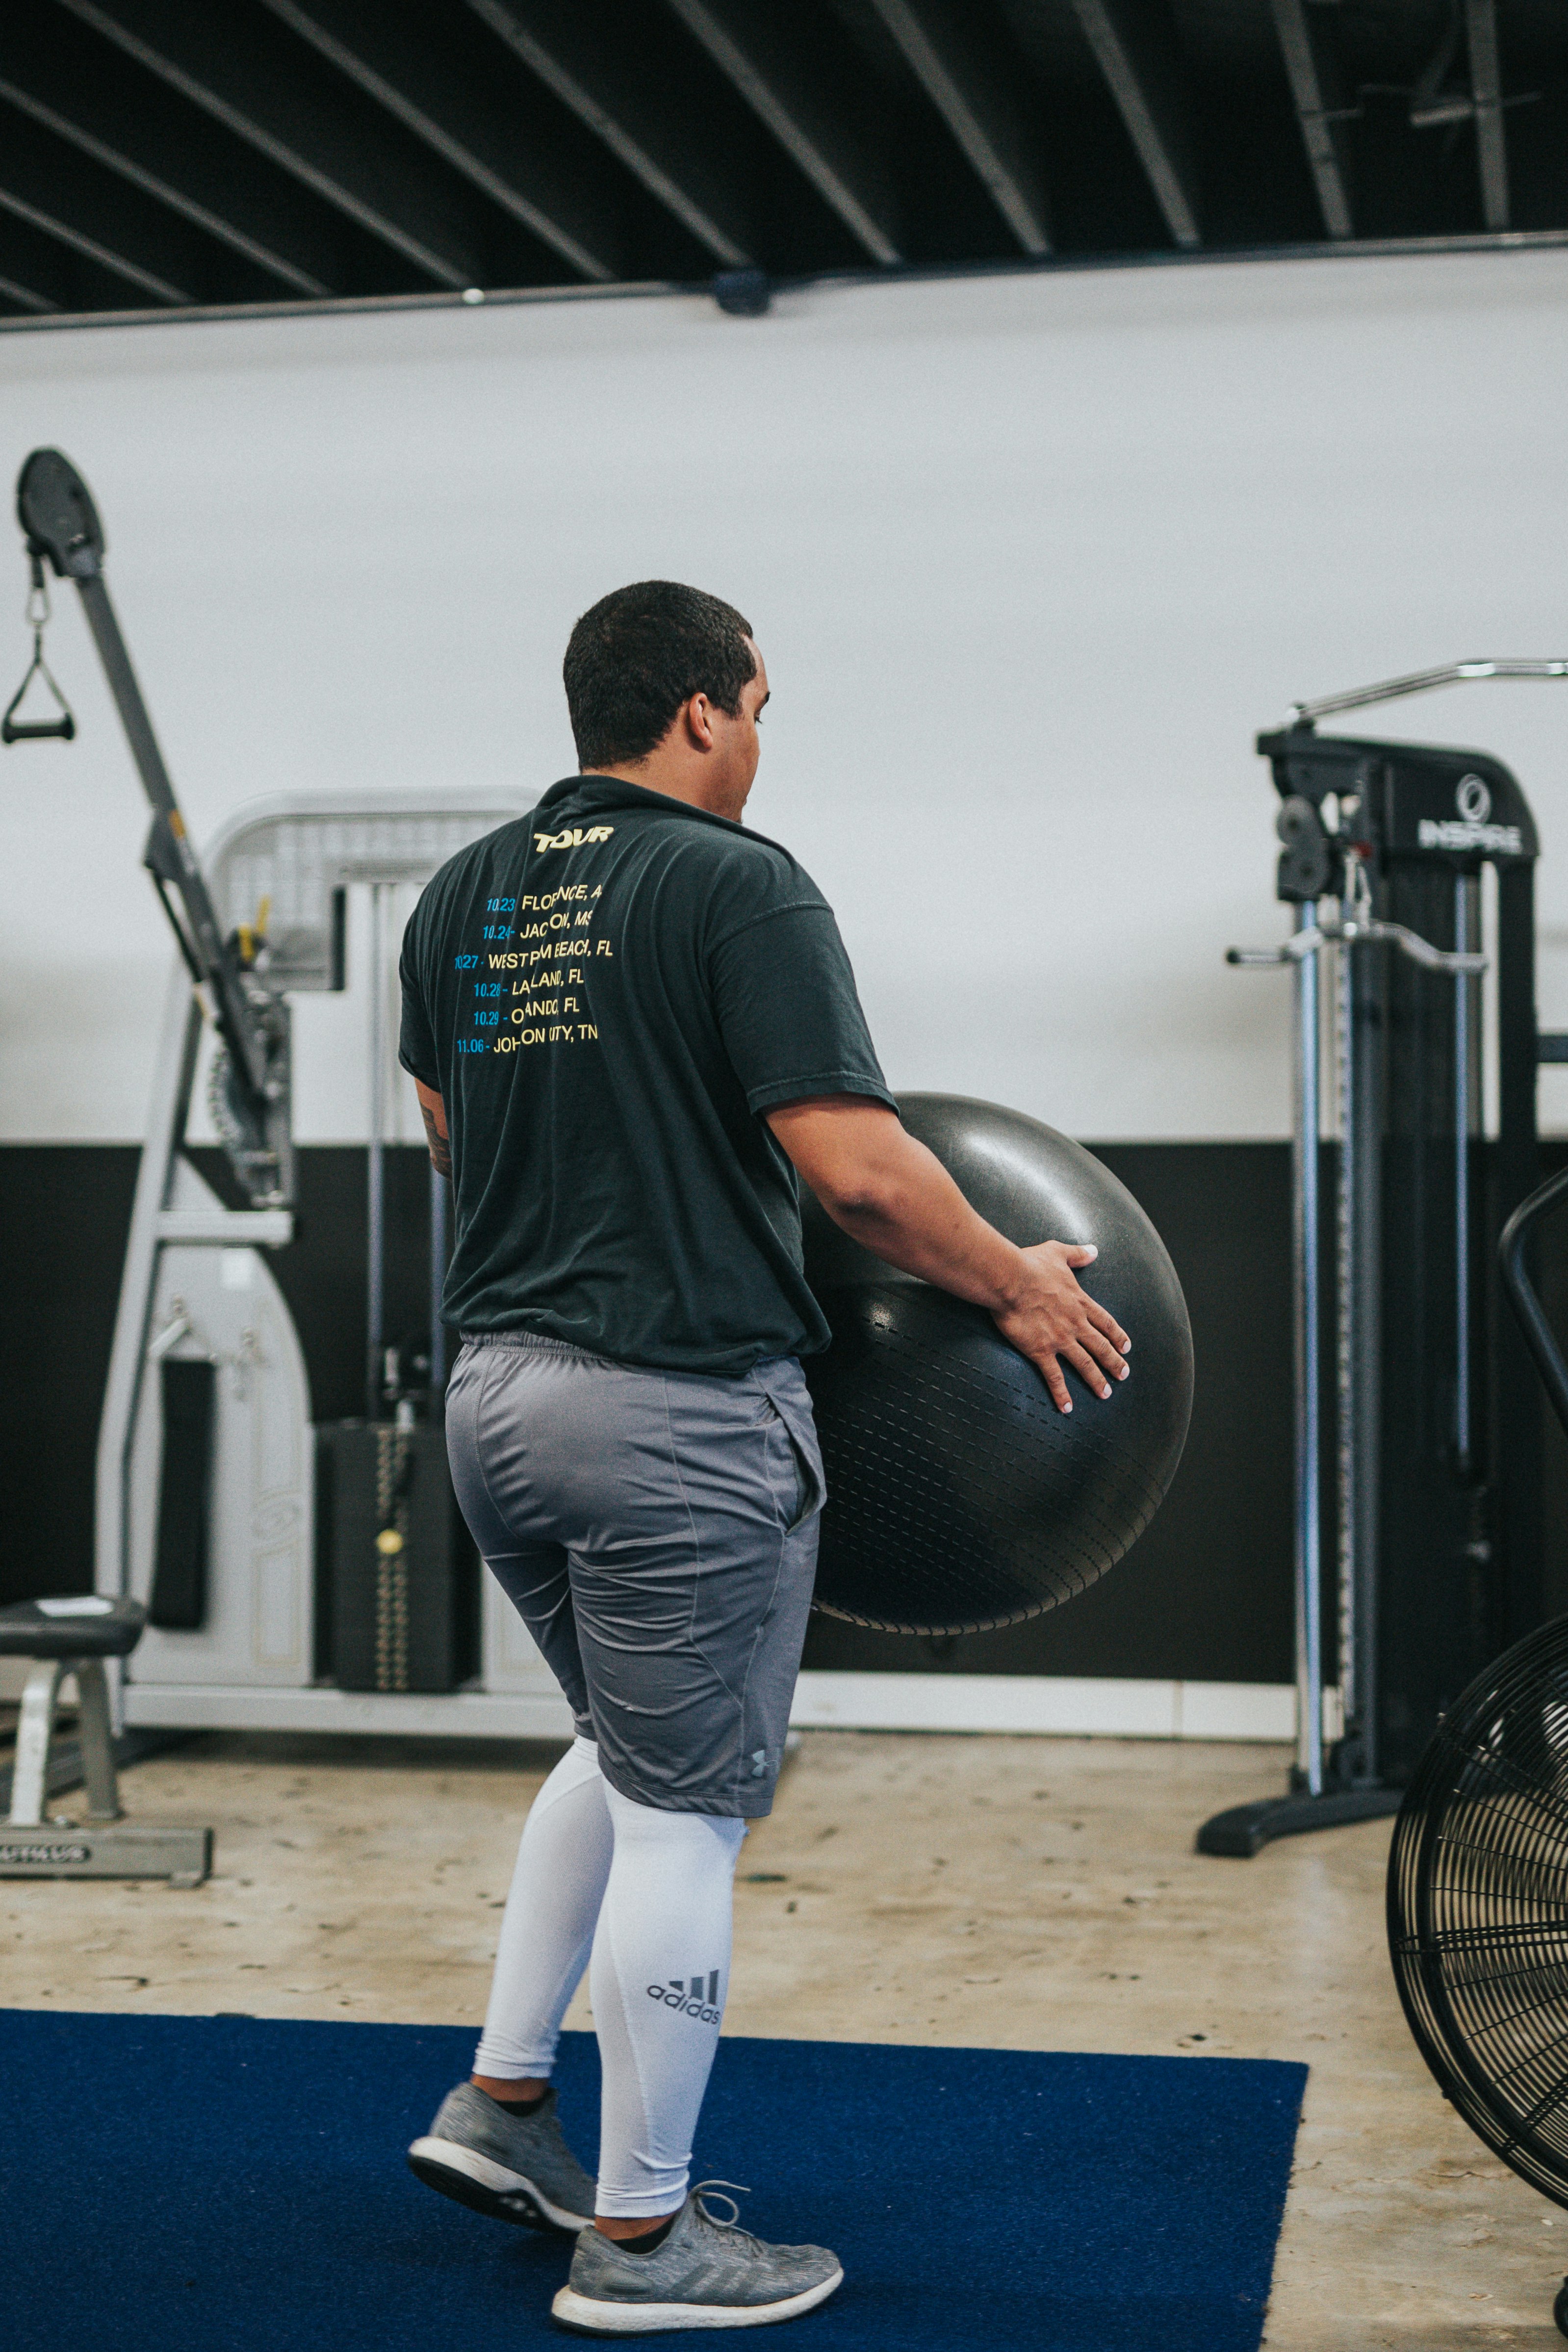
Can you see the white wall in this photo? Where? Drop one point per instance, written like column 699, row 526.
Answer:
column 1031, row 557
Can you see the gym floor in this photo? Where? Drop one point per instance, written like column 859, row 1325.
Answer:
column 1026, row 1894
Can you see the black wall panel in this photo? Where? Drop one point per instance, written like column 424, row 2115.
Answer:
column 1206, row 1595
column 65, row 1211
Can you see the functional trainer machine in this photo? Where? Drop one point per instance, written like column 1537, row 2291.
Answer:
column 293, row 1576
column 1434, row 1504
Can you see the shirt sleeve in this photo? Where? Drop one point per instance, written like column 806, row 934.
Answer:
column 788, row 1012
column 416, row 1044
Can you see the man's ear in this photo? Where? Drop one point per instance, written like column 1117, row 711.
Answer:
column 699, row 721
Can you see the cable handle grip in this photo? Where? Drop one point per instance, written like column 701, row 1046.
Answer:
column 1522, row 1295
column 38, row 730
column 62, row 727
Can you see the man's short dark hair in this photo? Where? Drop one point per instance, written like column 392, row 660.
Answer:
column 638, row 655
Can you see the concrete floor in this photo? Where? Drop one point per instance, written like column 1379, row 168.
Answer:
column 1027, row 1893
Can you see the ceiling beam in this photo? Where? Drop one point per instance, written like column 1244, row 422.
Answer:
column 804, row 117
column 1134, row 45
column 72, row 199
column 1315, row 86
column 1486, row 88
column 550, row 38
column 147, row 136
column 43, row 274
column 34, row 269
column 257, row 90
column 24, row 297
column 486, row 134
column 977, row 106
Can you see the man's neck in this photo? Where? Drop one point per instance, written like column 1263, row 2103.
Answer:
column 670, row 778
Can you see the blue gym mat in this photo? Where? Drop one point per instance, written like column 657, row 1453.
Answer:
column 214, row 2184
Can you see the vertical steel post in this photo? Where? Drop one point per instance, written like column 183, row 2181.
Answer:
column 1309, row 1430
column 1347, row 1450
column 440, row 1202
column 35, row 1741
column 375, row 1167
column 1368, row 994
column 95, row 1736
column 1464, row 888
column 1360, row 1027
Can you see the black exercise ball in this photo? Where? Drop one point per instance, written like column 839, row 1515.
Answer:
column 958, row 1498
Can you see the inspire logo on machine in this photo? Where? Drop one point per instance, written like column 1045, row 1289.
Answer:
column 1469, row 829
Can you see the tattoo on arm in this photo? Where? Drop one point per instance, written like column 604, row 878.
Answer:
column 439, row 1147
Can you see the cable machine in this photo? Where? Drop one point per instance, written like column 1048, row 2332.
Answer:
column 1418, row 1426
column 296, row 1576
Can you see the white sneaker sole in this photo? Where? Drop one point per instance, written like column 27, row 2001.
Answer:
column 486, row 2187
column 588, row 2318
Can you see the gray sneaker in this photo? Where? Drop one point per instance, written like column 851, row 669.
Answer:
column 514, row 2168
column 707, row 2273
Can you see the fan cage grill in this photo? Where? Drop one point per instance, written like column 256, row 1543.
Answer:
column 1477, row 1907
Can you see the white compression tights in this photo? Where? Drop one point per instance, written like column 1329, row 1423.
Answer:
column 649, row 1893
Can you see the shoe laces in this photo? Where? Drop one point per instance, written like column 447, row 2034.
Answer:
column 716, row 2221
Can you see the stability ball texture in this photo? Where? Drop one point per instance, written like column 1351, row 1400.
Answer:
column 959, row 1498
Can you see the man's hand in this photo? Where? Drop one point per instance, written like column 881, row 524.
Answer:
column 896, row 1198
column 1053, row 1322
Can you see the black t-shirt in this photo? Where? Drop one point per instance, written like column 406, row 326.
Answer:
column 607, row 994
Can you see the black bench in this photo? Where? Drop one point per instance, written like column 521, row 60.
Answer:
column 72, row 1636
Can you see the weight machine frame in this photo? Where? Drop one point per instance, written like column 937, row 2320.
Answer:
column 241, row 975
column 1316, row 866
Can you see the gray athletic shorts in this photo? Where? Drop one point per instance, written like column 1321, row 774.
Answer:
column 657, row 1534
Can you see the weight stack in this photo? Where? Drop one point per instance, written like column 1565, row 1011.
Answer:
column 400, row 1573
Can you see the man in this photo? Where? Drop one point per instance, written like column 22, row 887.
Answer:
column 632, row 1024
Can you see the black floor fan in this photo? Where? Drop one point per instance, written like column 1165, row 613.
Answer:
column 1478, row 1876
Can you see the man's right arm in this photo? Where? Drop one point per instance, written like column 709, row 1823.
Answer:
column 895, row 1198
column 433, row 1112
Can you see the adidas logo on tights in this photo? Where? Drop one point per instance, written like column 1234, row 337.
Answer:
column 688, row 1998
